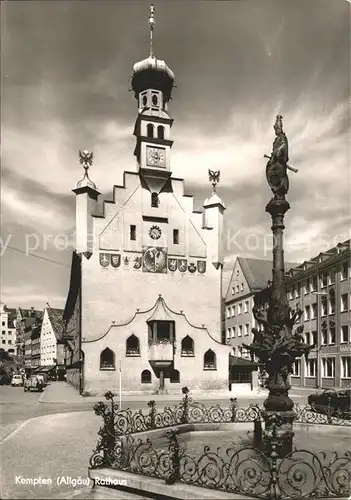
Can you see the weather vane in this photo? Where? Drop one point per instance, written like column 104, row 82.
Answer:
column 151, row 26
column 213, row 176
column 86, row 159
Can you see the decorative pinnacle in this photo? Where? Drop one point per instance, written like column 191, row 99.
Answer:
column 213, row 176
column 86, row 159
column 151, row 26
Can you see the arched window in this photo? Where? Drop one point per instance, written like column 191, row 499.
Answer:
column 187, row 346
column 150, row 130
column 160, row 132
column 132, row 346
column 155, row 99
column 107, row 360
column 144, row 100
column 154, row 200
column 174, row 378
column 146, row 377
column 210, row 360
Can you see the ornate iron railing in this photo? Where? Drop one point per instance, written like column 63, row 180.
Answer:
column 257, row 471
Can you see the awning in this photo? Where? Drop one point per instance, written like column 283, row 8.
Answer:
column 46, row 369
column 242, row 362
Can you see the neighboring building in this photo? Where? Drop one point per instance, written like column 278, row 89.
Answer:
column 72, row 320
column 8, row 329
column 141, row 265
column 249, row 277
column 28, row 322
column 321, row 288
column 35, row 345
column 52, row 343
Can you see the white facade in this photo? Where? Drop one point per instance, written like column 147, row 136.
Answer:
column 8, row 331
column 48, row 342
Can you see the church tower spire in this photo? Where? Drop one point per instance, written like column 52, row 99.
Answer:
column 152, row 82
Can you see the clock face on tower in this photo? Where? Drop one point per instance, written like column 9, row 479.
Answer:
column 155, row 157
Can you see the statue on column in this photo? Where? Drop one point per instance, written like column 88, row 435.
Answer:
column 277, row 165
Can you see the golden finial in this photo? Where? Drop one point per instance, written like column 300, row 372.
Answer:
column 151, row 26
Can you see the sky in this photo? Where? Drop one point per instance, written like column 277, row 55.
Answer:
column 66, row 69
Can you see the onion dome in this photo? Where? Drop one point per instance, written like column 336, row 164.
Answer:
column 152, row 73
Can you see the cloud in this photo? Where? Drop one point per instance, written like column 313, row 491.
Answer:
column 67, row 69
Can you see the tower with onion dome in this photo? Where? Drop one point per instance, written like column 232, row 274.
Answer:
column 147, row 311
column 152, row 83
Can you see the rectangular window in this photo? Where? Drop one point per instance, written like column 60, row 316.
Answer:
column 296, row 368
column 344, row 298
column 291, row 293
column 311, row 365
column 328, row 367
column 324, row 279
column 297, row 291
column 345, row 366
column 233, row 332
column 332, row 306
column 242, row 286
column 247, row 329
column 324, row 306
column 240, row 307
column 307, row 313
column 332, row 276
column 344, row 271
column 233, row 311
column 313, row 287
column 176, row 236
column 228, row 312
column 308, row 338
column 133, row 232
column 344, row 334
column 229, row 333
column 4, row 341
column 324, row 336
column 314, row 311
column 331, row 335
column 240, row 333
column 246, row 306
column 233, row 290
column 306, row 287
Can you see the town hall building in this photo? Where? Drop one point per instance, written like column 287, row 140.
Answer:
column 143, row 310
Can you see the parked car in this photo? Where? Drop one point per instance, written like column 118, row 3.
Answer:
column 17, row 380
column 43, row 377
column 33, row 383
column 5, row 379
column 332, row 402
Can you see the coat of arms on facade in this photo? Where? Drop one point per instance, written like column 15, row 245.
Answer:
column 154, row 260
column 104, row 259
column 192, row 267
column 172, row 264
column 201, row 266
column 115, row 260
column 182, row 265
column 137, row 263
